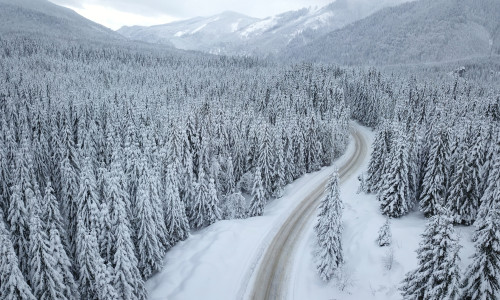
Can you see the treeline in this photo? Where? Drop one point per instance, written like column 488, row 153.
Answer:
column 110, row 155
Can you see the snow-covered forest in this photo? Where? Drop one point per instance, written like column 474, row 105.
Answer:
column 110, row 156
column 113, row 152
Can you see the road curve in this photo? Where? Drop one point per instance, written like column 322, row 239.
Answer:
column 272, row 277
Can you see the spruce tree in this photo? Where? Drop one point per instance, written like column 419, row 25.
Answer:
column 329, row 231
column 435, row 175
column 205, row 210
column 45, row 280
column 395, row 193
column 258, row 196
column 235, row 207
column 62, row 265
column 23, row 197
column 127, row 280
column 490, row 196
column 379, row 158
column 87, row 199
column 95, row 279
column 437, row 275
column 12, row 282
column 175, row 212
column 265, row 160
column 462, row 198
column 149, row 232
column 482, row 277
column 279, row 168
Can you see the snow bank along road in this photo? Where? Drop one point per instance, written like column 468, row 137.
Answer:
column 272, row 277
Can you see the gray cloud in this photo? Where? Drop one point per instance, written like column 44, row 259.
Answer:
column 182, row 9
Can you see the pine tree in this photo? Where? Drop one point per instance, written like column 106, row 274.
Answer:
column 435, row 177
column 329, row 231
column 279, row 168
column 69, row 191
column 489, row 199
column 482, row 277
column 62, row 264
column 395, row 193
column 87, row 200
column 437, row 275
column 265, row 161
column 384, row 234
column 45, row 280
column 149, row 230
column 23, row 196
column 127, row 280
column 56, row 233
column 235, row 207
column 258, row 196
column 95, row 279
column 379, row 158
column 462, row 198
column 50, row 210
column 205, row 209
column 175, row 212
column 12, row 282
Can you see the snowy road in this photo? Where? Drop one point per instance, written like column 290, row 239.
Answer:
column 272, row 275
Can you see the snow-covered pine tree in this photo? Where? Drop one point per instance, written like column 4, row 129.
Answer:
column 62, row 264
column 394, row 192
column 235, row 207
column 205, row 210
column 87, row 200
column 462, row 200
column 95, row 279
column 379, row 157
column 150, row 248
column 265, row 159
column 23, row 195
column 258, row 196
column 329, row 231
column 70, row 173
column 477, row 161
column 279, row 167
column 482, row 277
column 490, row 196
column 56, row 234
column 435, row 178
column 213, row 212
column 50, row 214
column 12, row 282
column 175, row 212
column 437, row 275
column 127, row 279
column 384, row 234
column 45, row 280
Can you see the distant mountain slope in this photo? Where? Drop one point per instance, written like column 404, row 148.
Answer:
column 43, row 17
column 232, row 33
column 201, row 33
column 421, row 31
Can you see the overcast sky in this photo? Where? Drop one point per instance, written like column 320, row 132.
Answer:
column 116, row 13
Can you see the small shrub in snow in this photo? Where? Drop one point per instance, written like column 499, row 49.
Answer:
column 384, row 234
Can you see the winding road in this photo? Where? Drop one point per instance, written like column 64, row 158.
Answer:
column 272, row 277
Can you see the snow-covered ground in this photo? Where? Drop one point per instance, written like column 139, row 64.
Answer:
column 366, row 274
column 217, row 262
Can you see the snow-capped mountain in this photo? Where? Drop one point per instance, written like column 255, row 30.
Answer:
column 420, row 31
column 233, row 33
column 202, row 33
column 46, row 18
